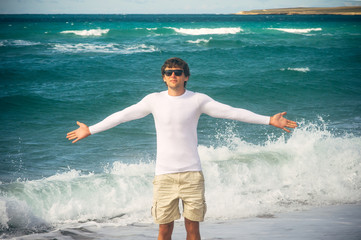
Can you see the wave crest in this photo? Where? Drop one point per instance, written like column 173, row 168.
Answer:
column 104, row 48
column 296, row 30
column 198, row 41
column 207, row 31
column 304, row 69
column 76, row 197
column 4, row 43
column 91, row 32
column 310, row 167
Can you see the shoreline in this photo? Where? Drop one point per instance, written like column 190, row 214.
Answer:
column 349, row 11
column 333, row 222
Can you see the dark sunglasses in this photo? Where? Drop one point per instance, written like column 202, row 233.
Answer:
column 176, row 72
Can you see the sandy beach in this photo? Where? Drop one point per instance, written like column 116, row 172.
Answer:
column 331, row 223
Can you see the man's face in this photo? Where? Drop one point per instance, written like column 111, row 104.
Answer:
column 173, row 81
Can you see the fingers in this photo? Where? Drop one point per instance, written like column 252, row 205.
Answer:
column 73, row 134
column 291, row 124
column 70, row 133
column 71, row 137
column 286, row 130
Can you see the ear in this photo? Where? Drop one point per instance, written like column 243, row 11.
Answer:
column 164, row 80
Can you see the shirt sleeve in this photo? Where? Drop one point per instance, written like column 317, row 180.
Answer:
column 136, row 111
column 220, row 110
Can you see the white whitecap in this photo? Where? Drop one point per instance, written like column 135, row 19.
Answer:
column 91, row 32
column 198, row 41
column 5, row 43
column 104, row 48
column 297, row 30
column 208, row 31
column 283, row 174
column 139, row 48
column 304, row 69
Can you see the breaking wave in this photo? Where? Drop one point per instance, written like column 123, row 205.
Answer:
column 91, row 32
column 313, row 167
column 5, row 43
column 104, row 48
column 198, row 41
column 208, row 31
column 304, row 69
column 297, row 30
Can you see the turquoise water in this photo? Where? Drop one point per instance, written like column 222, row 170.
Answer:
column 59, row 69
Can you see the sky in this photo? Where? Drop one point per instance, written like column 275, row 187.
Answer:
column 156, row 6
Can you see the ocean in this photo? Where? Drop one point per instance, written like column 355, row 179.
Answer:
column 59, row 69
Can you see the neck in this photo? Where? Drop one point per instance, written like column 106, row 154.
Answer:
column 176, row 92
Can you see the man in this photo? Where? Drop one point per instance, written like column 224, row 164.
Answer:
column 178, row 173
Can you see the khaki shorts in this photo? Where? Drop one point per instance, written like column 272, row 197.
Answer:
column 169, row 188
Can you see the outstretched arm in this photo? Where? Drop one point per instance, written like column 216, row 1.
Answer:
column 80, row 133
column 220, row 110
column 279, row 121
column 136, row 111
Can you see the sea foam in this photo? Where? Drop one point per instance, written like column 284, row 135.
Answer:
column 297, row 30
column 4, row 43
column 198, row 41
column 303, row 69
column 91, row 32
column 208, row 31
column 310, row 167
column 104, row 48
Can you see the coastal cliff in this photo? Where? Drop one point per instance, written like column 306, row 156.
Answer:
column 306, row 11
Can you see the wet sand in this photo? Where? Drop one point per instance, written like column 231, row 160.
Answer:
column 331, row 223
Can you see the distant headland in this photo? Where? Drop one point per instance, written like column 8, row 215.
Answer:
column 306, row 11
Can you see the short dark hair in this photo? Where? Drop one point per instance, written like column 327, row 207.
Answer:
column 176, row 63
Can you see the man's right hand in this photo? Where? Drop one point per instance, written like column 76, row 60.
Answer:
column 80, row 133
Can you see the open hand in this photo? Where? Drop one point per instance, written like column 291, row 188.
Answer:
column 279, row 121
column 80, row 133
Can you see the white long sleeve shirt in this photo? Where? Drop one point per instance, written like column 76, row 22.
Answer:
column 176, row 119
